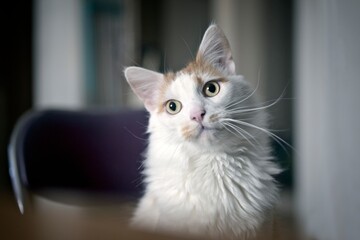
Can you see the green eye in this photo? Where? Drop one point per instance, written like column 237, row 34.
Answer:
column 173, row 106
column 211, row 89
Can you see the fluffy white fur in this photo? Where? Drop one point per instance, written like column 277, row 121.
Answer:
column 213, row 177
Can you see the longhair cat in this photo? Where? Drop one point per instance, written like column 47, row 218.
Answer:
column 208, row 168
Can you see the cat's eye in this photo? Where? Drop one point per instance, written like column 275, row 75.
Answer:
column 211, row 89
column 173, row 106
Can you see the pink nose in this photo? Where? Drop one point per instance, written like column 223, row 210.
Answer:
column 197, row 115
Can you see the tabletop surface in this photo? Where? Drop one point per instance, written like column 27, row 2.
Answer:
column 50, row 220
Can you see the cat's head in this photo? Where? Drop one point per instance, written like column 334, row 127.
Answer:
column 197, row 103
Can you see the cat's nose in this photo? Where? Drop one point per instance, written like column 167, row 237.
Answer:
column 197, row 115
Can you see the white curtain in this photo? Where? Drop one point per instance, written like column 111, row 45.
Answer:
column 58, row 54
column 327, row 71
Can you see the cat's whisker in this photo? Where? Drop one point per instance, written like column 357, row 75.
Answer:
column 230, row 127
column 260, row 105
column 255, row 108
column 235, row 102
column 188, row 48
column 135, row 136
column 239, row 131
column 247, row 97
column 233, row 105
column 231, row 130
column 244, row 120
column 275, row 137
column 244, row 109
column 249, row 134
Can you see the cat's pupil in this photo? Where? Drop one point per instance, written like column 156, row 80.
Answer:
column 211, row 88
column 172, row 106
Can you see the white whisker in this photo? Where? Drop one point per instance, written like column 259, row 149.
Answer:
column 247, row 97
column 188, row 48
column 276, row 138
column 239, row 131
column 244, row 109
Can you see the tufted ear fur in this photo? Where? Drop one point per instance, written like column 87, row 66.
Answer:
column 215, row 49
column 145, row 84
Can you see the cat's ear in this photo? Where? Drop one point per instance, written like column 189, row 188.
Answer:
column 215, row 49
column 145, row 83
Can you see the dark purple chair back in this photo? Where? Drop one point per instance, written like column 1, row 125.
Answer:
column 78, row 150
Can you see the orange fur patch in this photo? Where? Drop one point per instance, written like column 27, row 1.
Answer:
column 168, row 78
column 199, row 80
column 200, row 67
column 213, row 118
column 186, row 131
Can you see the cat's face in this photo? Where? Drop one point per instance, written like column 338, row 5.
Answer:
column 194, row 104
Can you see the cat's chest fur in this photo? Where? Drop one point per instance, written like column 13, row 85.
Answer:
column 203, row 191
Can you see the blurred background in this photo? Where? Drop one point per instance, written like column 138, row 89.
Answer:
column 70, row 54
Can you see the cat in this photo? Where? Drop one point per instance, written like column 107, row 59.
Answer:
column 208, row 168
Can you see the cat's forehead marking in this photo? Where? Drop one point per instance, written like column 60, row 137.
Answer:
column 169, row 76
column 198, row 80
column 197, row 71
column 200, row 68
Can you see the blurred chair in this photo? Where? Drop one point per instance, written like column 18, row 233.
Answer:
column 85, row 151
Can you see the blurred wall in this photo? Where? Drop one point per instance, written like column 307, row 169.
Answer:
column 184, row 23
column 327, row 118
column 58, row 54
column 80, row 50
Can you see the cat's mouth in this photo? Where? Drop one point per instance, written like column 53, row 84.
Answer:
column 206, row 130
column 200, row 131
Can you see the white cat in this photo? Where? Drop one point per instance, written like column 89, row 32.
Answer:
column 208, row 168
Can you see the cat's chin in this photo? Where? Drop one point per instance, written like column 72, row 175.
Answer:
column 206, row 136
